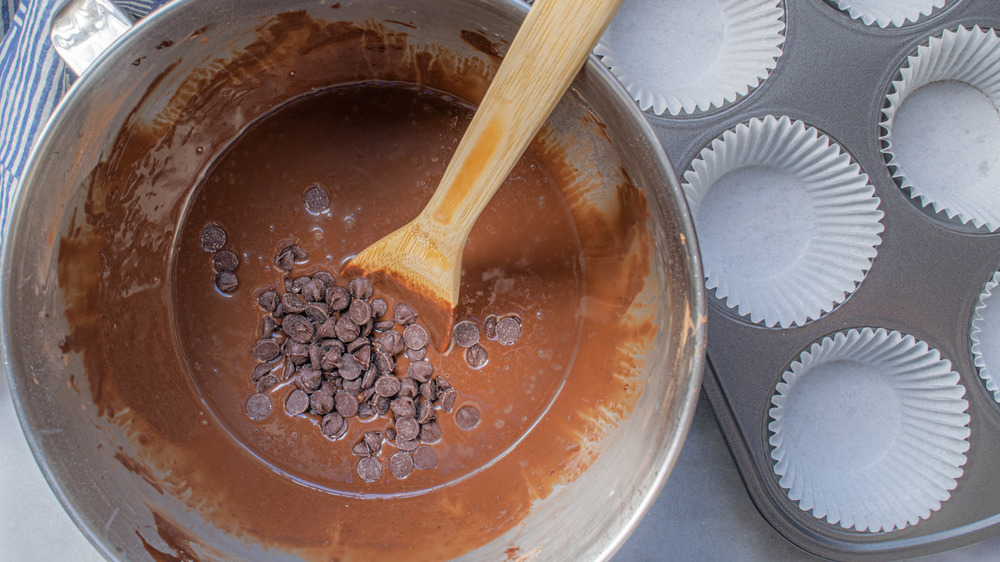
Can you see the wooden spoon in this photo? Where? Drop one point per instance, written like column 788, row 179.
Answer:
column 421, row 263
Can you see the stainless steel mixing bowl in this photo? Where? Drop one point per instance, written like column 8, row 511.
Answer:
column 588, row 518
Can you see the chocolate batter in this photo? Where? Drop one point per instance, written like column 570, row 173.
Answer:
column 379, row 150
column 167, row 356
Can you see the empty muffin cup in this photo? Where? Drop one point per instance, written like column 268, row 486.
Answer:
column 869, row 430
column 684, row 57
column 985, row 336
column 889, row 13
column 941, row 128
column 788, row 224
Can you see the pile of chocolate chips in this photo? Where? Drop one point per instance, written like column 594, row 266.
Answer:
column 342, row 350
column 225, row 262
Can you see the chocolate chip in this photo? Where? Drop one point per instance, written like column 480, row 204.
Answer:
column 406, row 444
column 327, row 329
column 213, row 238
column 347, row 331
column 387, row 385
column 363, row 355
column 360, row 312
column 332, row 359
column 415, row 336
column 324, row 277
column 259, row 371
column 490, row 326
column 403, row 407
column 356, row 345
column 309, row 379
column 384, row 325
column 338, row 298
column 420, row 371
column 448, row 397
column 392, row 342
column 349, row 368
column 314, row 290
column 268, row 300
column 267, row 381
column 288, row 284
column 381, row 404
column 287, row 369
column 465, row 334
column 416, row 354
column 296, row 351
column 298, row 327
column 383, row 361
column 430, row 432
column 346, row 404
column 390, row 434
column 269, row 327
column 467, row 417
column 369, row 378
column 297, row 402
column 293, row 303
column 333, row 425
column 508, row 330
column 266, row 350
column 361, row 288
column 259, row 406
column 374, row 440
column 365, row 410
column 369, row 469
column 425, row 411
column 322, row 403
column 366, row 330
column 353, row 386
column 428, row 391
column 298, row 253
column 361, row 449
column 476, row 356
column 442, row 383
column 408, row 387
column 225, row 260
column 400, row 465
column 425, row 458
column 317, row 199
column 285, row 260
column 317, row 312
column 403, row 314
column 226, row 281
column 379, row 308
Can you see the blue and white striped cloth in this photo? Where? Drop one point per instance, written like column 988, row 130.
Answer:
column 32, row 81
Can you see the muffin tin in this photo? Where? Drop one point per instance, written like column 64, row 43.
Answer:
column 844, row 206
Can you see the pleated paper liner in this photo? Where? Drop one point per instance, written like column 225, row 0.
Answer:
column 949, row 89
column 985, row 336
column 869, row 430
column 787, row 223
column 681, row 57
column 890, row 13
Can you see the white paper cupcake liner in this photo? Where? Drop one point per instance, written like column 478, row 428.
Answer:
column 985, row 336
column 680, row 56
column 869, row 430
column 941, row 128
column 788, row 225
column 889, row 13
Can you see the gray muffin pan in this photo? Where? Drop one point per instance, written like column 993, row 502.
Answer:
column 834, row 74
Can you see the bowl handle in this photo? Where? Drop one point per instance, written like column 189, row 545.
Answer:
column 82, row 29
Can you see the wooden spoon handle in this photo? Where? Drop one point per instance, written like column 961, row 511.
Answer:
column 547, row 53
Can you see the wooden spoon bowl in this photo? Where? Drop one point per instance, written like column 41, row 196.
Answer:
column 423, row 259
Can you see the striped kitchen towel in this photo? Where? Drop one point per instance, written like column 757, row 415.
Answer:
column 32, row 81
